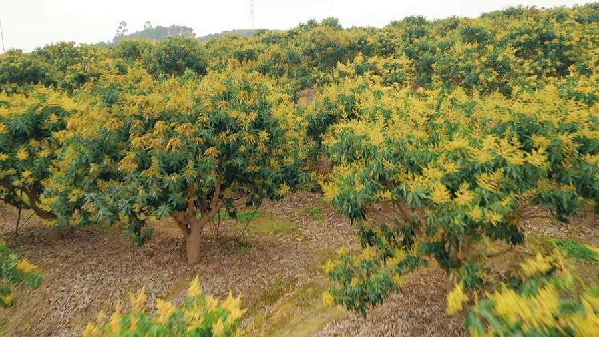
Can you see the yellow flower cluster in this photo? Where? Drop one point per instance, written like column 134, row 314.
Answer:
column 197, row 314
column 456, row 299
column 539, row 265
column 25, row 266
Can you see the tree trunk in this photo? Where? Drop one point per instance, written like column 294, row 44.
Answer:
column 193, row 244
column 452, row 280
column 589, row 214
column 34, row 200
column 54, row 234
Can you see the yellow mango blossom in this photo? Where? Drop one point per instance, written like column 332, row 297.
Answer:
column 342, row 251
column 165, row 310
column 541, row 142
column 534, row 312
column 432, row 173
column 128, row 163
column 538, row 158
column 456, row 299
column 284, row 190
column 491, row 181
column 399, row 255
column 219, row 328
column 195, row 289
column 464, row 196
column 476, row 213
column 212, row 152
column 539, row 265
column 328, row 299
column 398, row 280
column 25, row 266
column 440, row 194
column 22, row 154
column 138, row 302
column 194, row 317
column 134, row 323
column 233, row 306
column 329, row 266
column 212, row 303
column 386, row 195
column 368, row 253
column 8, row 299
column 92, row 330
column 493, row 217
column 45, row 153
column 586, row 323
column 115, row 321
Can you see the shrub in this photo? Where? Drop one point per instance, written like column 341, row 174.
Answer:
column 15, row 271
column 200, row 315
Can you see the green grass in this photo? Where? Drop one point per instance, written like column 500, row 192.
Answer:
column 314, row 212
column 264, row 224
column 245, row 216
column 272, row 225
column 245, row 249
column 577, row 250
column 300, row 313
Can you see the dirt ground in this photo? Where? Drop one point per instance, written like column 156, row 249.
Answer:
column 275, row 267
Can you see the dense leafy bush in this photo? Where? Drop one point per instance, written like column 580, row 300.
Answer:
column 182, row 147
column 28, row 122
column 544, row 299
column 459, row 172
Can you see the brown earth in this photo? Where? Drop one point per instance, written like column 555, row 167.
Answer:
column 275, row 266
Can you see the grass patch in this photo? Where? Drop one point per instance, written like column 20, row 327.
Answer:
column 245, row 216
column 301, row 313
column 245, row 249
column 269, row 225
column 577, row 250
column 315, row 212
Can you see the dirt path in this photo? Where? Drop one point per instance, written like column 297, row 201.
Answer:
column 276, row 270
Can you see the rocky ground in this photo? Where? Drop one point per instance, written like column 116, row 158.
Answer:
column 275, row 266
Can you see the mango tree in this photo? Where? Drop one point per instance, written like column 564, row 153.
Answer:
column 459, row 173
column 180, row 147
column 28, row 146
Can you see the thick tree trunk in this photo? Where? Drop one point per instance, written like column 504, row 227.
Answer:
column 193, row 245
column 192, row 229
column 54, row 234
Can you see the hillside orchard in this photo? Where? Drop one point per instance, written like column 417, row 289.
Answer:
column 458, row 131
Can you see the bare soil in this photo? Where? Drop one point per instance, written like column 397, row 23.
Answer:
column 277, row 272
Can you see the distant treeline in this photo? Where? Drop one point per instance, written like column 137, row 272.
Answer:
column 150, row 32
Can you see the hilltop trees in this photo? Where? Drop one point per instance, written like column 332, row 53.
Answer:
column 152, row 33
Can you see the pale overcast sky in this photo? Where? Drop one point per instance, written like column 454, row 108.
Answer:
column 31, row 23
